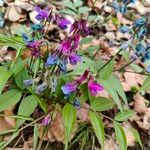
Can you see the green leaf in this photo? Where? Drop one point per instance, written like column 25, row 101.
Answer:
column 7, row 132
column 35, row 136
column 9, row 99
column 111, row 91
column 18, row 66
column 78, row 3
column 4, row 76
column 107, row 70
column 98, row 127
column 93, row 48
column 26, row 108
column 20, row 77
column 120, row 134
column 102, row 104
column 41, row 103
column 68, row 12
column 86, row 40
column 10, row 140
column 126, row 114
column 146, row 84
column 137, row 136
column 83, row 10
column 69, row 118
column 115, row 83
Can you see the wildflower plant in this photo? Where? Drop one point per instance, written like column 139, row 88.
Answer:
column 69, row 78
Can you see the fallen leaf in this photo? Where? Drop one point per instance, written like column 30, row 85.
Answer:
column 139, row 103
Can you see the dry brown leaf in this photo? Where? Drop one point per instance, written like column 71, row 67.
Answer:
column 145, row 123
column 130, row 79
column 57, row 127
column 13, row 13
column 139, row 103
column 26, row 146
column 110, row 144
column 82, row 112
column 4, row 125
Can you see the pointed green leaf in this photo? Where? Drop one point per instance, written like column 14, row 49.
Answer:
column 98, row 127
column 26, row 108
column 69, row 118
column 107, row 70
column 146, row 84
column 115, row 83
column 120, row 135
column 102, row 104
column 35, row 136
column 137, row 136
column 111, row 91
column 4, row 76
column 9, row 99
column 86, row 40
column 126, row 114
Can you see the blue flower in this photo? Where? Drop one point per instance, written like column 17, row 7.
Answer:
column 124, row 29
column 53, row 84
column 39, row 89
column 116, row 6
column 148, row 68
column 140, row 48
column 36, row 27
column 140, row 21
column 51, row 60
column 123, row 9
column 28, row 82
column 142, row 32
column 63, row 65
column 76, row 103
column 1, row 22
column 69, row 88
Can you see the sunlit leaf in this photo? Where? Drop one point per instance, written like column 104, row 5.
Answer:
column 98, row 127
column 120, row 135
column 126, row 114
column 9, row 99
column 102, row 104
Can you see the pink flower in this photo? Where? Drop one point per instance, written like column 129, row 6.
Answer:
column 94, row 87
column 46, row 120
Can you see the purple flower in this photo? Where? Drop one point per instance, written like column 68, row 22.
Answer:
column 80, row 26
column 83, row 77
column 74, row 58
column 65, row 46
column 46, row 120
column 76, row 40
column 34, row 44
column 62, row 22
column 42, row 13
column 35, row 53
column 69, row 88
column 94, row 87
column 51, row 60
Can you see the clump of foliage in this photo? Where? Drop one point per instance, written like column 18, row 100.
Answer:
column 45, row 79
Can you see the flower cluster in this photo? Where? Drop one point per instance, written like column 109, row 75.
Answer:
column 66, row 52
column 33, row 45
column 73, row 87
column 122, row 7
